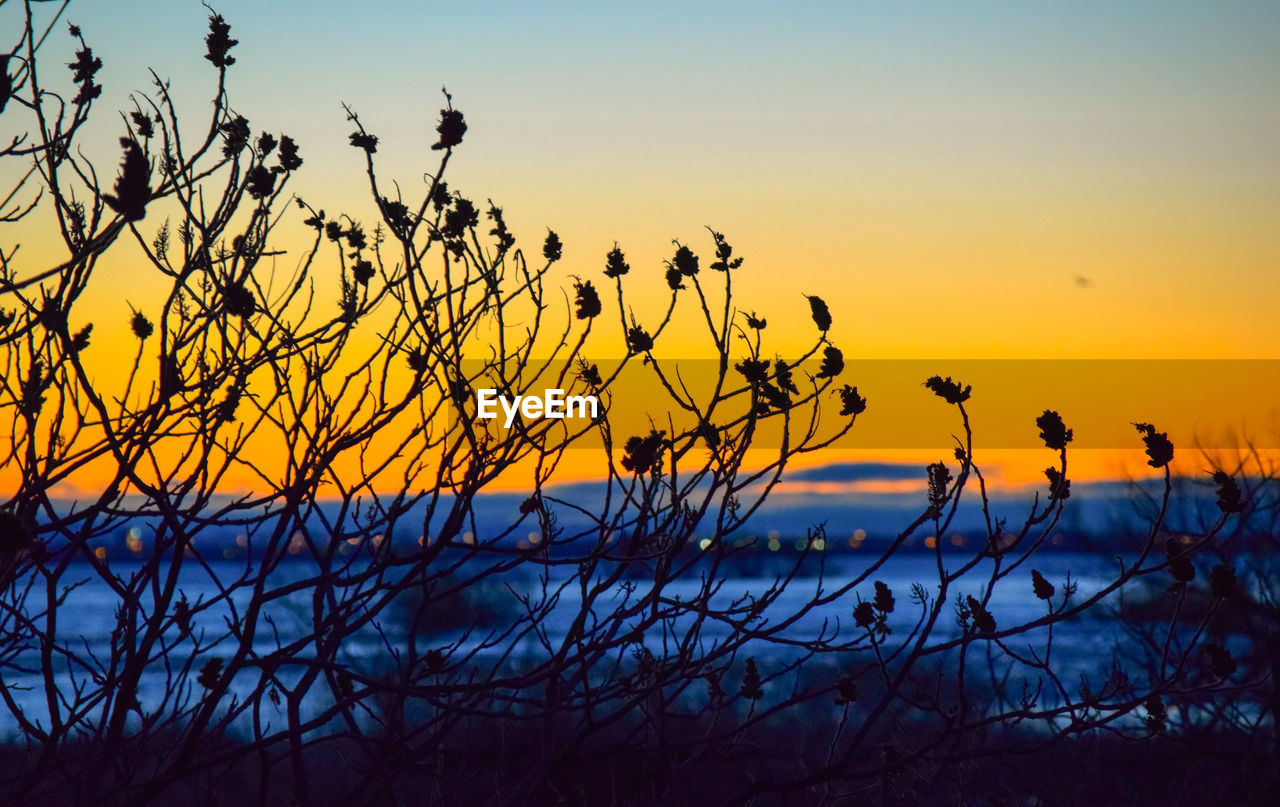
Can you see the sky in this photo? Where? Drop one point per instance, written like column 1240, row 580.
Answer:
column 942, row 172
column 1083, row 180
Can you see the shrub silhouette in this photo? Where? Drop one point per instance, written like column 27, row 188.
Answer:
column 344, row 626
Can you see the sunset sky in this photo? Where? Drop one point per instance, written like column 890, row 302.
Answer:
column 942, row 172
column 978, row 180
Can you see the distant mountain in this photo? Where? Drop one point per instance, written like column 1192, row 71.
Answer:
column 875, row 501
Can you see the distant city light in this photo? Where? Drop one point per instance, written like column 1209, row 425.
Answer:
column 133, row 540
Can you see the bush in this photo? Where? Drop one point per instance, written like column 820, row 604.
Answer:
column 315, row 654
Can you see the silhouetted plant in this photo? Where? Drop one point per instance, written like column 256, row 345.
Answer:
column 348, row 619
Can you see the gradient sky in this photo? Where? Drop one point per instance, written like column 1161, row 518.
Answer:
column 940, row 172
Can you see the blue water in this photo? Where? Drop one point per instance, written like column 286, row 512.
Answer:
column 88, row 615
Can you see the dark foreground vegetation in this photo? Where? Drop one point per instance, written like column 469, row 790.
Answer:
column 333, row 363
column 1094, row 769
